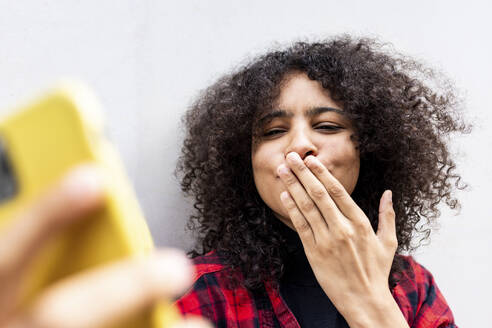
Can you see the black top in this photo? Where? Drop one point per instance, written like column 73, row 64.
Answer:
column 302, row 292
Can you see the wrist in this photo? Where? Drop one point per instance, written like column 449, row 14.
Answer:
column 380, row 311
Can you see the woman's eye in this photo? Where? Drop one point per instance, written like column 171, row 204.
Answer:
column 273, row 132
column 327, row 127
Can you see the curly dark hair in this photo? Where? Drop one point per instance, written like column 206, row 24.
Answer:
column 403, row 114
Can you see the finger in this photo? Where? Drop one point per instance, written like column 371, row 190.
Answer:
column 193, row 322
column 304, row 203
column 301, row 225
column 335, row 189
column 316, row 190
column 386, row 225
column 78, row 193
column 114, row 293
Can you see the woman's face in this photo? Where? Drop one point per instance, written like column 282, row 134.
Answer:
column 307, row 121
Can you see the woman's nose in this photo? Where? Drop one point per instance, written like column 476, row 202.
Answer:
column 302, row 144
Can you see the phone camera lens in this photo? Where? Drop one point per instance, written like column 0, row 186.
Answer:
column 8, row 184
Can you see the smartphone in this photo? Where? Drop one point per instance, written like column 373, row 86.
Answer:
column 39, row 143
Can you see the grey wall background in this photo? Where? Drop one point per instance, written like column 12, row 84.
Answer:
column 147, row 59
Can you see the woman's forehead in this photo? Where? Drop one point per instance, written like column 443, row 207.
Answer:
column 297, row 93
column 309, row 112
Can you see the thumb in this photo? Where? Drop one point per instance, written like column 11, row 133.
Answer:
column 386, row 225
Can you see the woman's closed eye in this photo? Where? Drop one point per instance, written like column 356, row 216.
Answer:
column 273, row 132
column 322, row 126
column 327, row 127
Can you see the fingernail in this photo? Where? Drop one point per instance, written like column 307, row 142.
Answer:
column 293, row 156
column 173, row 271
column 389, row 196
column 310, row 161
column 282, row 170
column 85, row 181
column 284, row 195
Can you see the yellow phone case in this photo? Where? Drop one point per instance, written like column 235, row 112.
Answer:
column 39, row 144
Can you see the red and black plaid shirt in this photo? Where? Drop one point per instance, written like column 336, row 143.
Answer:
column 416, row 294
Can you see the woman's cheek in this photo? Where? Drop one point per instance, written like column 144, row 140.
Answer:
column 344, row 164
column 267, row 184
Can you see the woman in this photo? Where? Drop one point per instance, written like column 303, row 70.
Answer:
column 310, row 169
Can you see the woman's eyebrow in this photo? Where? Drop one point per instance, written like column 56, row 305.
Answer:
column 320, row 110
column 310, row 113
column 274, row 114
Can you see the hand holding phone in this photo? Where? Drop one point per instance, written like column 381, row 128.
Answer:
column 96, row 298
column 54, row 235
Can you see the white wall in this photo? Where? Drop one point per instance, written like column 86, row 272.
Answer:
column 147, row 59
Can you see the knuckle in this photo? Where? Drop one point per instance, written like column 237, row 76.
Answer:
column 290, row 205
column 319, row 170
column 393, row 242
column 349, row 234
column 318, row 192
column 306, row 205
column 390, row 211
column 363, row 225
column 329, row 246
column 339, row 238
column 345, row 235
column 302, row 226
column 300, row 166
column 336, row 190
column 290, row 180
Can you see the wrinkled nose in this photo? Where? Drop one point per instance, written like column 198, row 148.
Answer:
column 301, row 143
